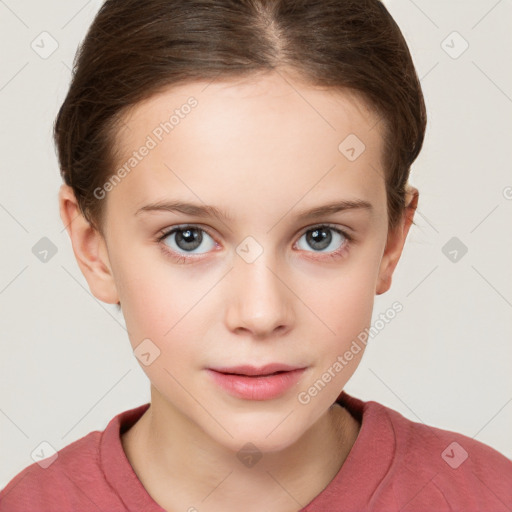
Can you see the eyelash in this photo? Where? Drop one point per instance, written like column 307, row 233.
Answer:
column 190, row 259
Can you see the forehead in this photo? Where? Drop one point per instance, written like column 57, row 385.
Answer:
column 217, row 140
column 279, row 94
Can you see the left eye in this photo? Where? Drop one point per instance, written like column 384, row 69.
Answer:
column 320, row 237
column 187, row 239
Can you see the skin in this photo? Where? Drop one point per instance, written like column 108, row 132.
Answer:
column 262, row 149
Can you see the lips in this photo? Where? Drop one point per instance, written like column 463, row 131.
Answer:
column 253, row 371
column 251, row 383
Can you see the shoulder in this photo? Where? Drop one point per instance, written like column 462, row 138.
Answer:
column 81, row 476
column 54, row 480
column 462, row 472
column 417, row 440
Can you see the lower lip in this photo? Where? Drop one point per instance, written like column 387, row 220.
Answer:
column 257, row 388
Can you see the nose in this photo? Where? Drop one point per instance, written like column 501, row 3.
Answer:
column 260, row 301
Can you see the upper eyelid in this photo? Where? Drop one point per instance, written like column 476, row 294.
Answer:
column 167, row 231
column 345, row 231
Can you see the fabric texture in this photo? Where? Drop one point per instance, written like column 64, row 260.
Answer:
column 394, row 465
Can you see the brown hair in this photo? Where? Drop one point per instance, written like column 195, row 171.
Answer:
column 135, row 49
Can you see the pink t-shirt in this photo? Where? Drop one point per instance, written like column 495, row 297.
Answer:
column 395, row 465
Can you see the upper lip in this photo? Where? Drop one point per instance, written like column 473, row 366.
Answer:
column 253, row 370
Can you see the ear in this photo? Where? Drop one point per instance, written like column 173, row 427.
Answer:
column 89, row 247
column 395, row 242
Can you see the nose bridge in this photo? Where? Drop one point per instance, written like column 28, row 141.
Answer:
column 261, row 301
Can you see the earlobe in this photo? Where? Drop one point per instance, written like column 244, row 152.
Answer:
column 396, row 241
column 89, row 248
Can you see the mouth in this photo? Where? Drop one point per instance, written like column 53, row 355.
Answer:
column 253, row 376
column 253, row 371
column 250, row 383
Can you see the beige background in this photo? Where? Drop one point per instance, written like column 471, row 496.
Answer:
column 66, row 366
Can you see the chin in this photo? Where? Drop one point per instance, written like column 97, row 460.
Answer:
column 264, row 437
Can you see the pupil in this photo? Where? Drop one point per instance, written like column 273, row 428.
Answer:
column 188, row 239
column 320, row 238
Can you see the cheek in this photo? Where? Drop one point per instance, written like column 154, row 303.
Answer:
column 345, row 306
column 149, row 301
column 347, row 311
column 346, row 295
column 158, row 309
column 159, row 325
column 169, row 307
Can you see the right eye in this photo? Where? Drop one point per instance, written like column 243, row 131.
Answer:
column 186, row 239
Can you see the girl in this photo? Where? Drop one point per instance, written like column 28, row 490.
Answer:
column 236, row 180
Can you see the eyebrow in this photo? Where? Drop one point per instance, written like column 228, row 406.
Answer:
column 197, row 210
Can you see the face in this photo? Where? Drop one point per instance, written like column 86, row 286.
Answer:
column 261, row 282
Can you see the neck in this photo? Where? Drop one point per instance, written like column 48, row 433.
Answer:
column 183, row 467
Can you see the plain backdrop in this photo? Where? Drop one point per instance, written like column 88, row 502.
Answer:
column 66, row 365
